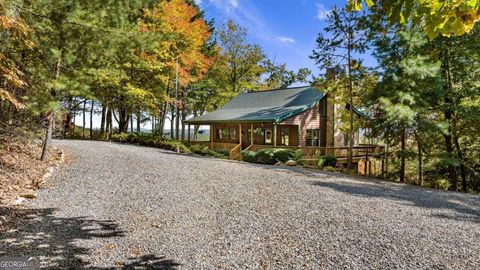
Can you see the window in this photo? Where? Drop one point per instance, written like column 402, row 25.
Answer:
column 226, row 134
column 284, row 135
column 312, row 137
column 268, row 136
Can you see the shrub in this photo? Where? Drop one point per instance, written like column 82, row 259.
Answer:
column 249, row 156
column 152, row 140
column 122, row 137
column 330, row 169
column 274, row 155
column 223, row 152
column 327, row 161
column 441, row 184
column 204, row 151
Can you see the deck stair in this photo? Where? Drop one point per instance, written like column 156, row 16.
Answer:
column 236, row 153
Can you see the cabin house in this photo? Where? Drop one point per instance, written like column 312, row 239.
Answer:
column 296, row 118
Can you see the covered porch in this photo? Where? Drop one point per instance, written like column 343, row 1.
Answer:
column 236, row 137
column 255, row 136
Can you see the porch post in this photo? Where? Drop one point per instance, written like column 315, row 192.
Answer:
column 274, row 134
column 188, row 134
column 251, row 134
column 240, row 134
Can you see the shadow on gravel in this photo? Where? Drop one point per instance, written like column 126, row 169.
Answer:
column 38, row 232
column 462, row 205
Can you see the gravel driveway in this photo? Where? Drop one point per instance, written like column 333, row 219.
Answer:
column 122, row 206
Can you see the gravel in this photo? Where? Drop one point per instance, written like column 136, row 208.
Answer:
column 123, row 206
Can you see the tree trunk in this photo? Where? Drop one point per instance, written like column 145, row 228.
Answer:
column 123, row 120
column 48, row 135
column 153, row 123
column 350, row 100
column 91, row 119
column 448, row 113
column 177, row 124
column 172, row 123
column 139, row 115
column 184, row 111
column 387, row 154
column 102, row 123
column 68, row 117
column 463, row 171
column 131, row 122
column 83, row 123
column 109, row 129
column 402, row 157
column 420, row 160
column 51, row 114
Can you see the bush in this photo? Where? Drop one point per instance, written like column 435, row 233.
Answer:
column 327, row 161
column 249, row 156
column 441, row 184
column 273, row 155
column 121, row 138
column 223, row 152
column 204, row 151
column 329, row 168
column 152, row 140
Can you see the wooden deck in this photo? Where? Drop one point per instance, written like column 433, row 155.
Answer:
column 308, row 152
column 370, row 158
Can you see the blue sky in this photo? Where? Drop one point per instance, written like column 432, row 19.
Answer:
column 286, row 29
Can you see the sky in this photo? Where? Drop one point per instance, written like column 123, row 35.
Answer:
column 286, row 29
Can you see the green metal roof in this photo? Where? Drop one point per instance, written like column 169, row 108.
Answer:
column 263, row 106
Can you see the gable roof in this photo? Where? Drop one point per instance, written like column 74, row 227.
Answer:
column 263, row 106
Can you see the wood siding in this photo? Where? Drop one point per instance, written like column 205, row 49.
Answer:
column 309, row 119
column 314, row 118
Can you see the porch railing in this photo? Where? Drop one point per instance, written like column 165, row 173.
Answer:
column 359, row 152
column 216, row 145
column 236, row 152
column 339, row 152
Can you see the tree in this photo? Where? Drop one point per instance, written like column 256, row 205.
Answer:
column 424, row 87
column 15, row 34
column 242, row 60
column 437, row 17
column 278, row 76
column 346, row 37
column 186, row 38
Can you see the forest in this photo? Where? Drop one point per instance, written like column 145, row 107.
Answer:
column 163, row 61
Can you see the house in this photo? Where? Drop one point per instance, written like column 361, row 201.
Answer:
column 297, row 118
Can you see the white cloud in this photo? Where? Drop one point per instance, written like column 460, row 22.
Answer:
column 198, row 2
column 233, row 3
column 322, row 12
column 225, row 5
column 286, row 39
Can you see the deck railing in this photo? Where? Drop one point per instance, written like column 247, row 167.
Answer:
column 216, row 145
column 339, row 152
column 359, row 152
